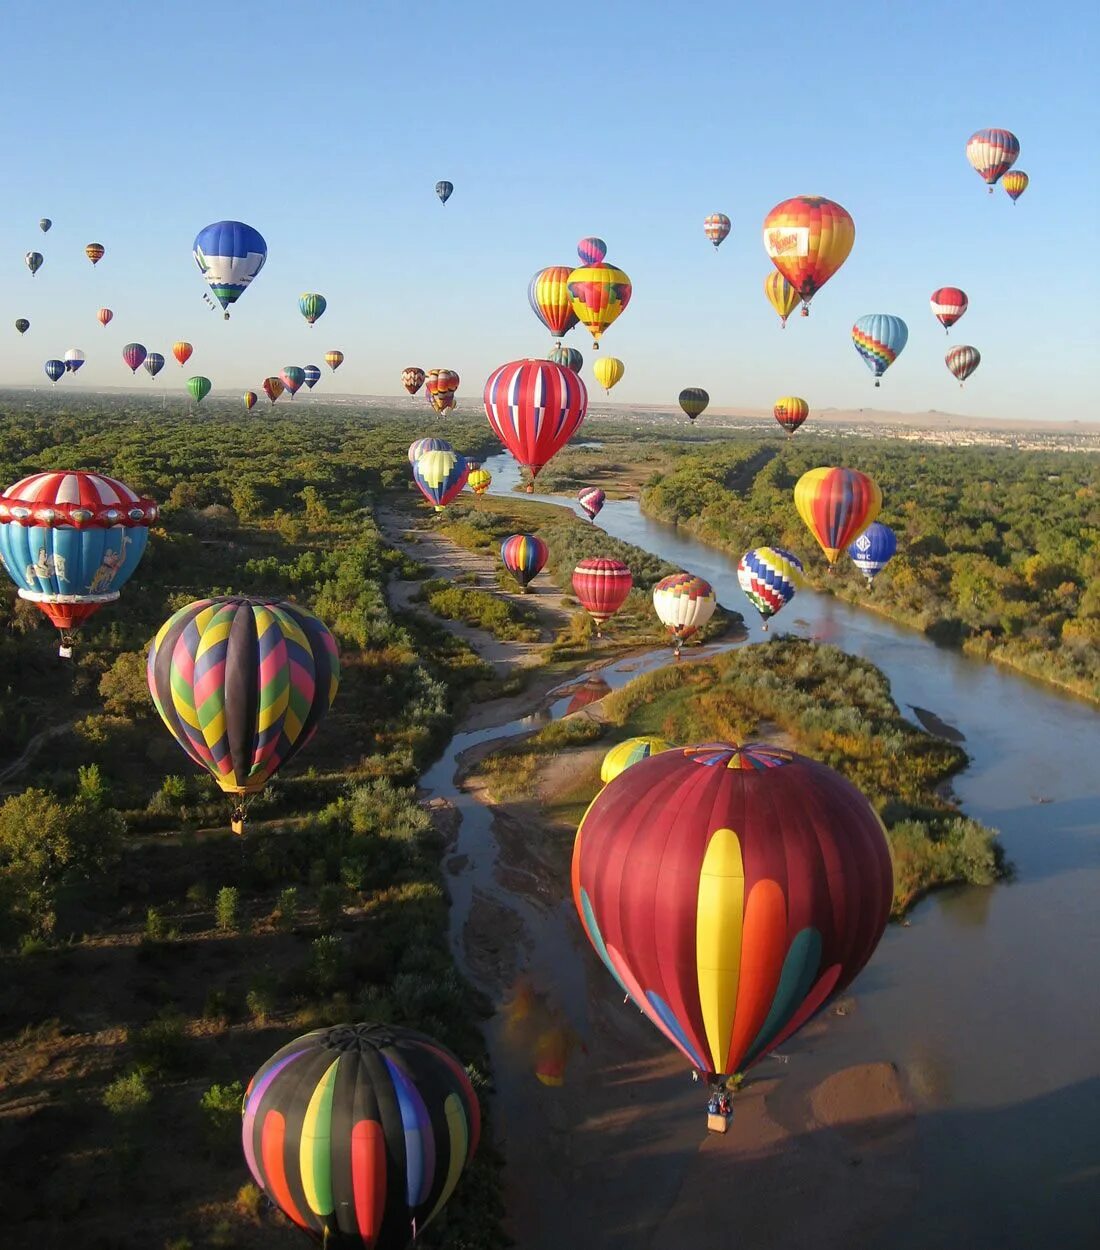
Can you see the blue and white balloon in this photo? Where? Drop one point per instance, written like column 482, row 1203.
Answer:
column 229, row 255
column 873, row 550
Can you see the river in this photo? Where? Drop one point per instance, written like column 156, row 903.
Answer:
column 989, row 1001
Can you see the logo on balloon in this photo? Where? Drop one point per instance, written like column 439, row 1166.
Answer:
column 787, row 241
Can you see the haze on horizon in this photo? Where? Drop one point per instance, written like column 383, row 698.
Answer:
column 329, row 137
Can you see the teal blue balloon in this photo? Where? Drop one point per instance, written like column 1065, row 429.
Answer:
column 311, row 306
column 879, row 339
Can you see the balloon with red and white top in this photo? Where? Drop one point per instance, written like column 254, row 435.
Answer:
column 535, row 407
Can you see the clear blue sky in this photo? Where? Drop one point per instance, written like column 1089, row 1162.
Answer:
column 326, row 126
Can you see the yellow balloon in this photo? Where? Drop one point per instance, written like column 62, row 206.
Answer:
column 781, row 295
column 608, row 371
column 479, row 481
column 599, row 294
column 620, row 757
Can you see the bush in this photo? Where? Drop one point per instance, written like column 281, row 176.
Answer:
column 248, row 1202
column 225, row 908
column 221, row 1111
column 161, row 1046
column 261, row 998
column 326, row 962
column 127, row 1095
column 286, row 909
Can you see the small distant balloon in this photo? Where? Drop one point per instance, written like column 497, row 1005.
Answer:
column 962, row 361
column 95, row 252
column 412, row 378
column 34, row 262
column 182, row 352
column 133, row 356
column 292, row 378
column 74, row 358
column 444, row 190
column 790, row 412
column 55, row 369
column 311, row 306
column 591, row 499
column 273, row 388
column 250, row 400
column 1015, row 183
column 591, row 250
column 22, row 325
column 608, row 371
column 312, row 374
column 104, row 316
column 334, row 359
column 716, row 227
column 567, row 356
column 198, row 388
column 440, row 386
column 154, row 363
column 781, row 295
column 879, row 338
column 44, row 224
column 948, row 305
column 694, row 400
column 992, row 153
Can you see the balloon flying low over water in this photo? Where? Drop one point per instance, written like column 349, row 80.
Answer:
column 444, row 190
column 55, row 369
column 962, row 361
column 251, row 399
column 359, row 1133
column 74, row 359
column 242, row 684
column 311, row 375
column 781, row 295
column 684, row 603
column 71, row 540
column 1015, row 183
column 591, row 499
column 440, row 387
column 808, row 238
column 836, row 506
column 879, row 338
column 95, row 252
column 591, row 250
column 154, row 363
column 133, row 356
column 273, row 388
column 716, row 227
column 34, row 262
column 534, row 407
column 608, row 371
column 104, row 317
column 600, row 294
column 292, row 378
column 602, row 587
column 732, row 892
column 791, row 411
column 229, row 255
column 412, row 379
column 568, row 356
column 992, row 153
column 873, row 550
column 948, row 305
column 311, row 306
column 417, row 449
column 440, row 475
column 769, row 576
column 182, row 352
column 694, row 401
column 198, row 388
column 629, row 752
column 548, row 295
column 334, row 359
column 479, row 481
column 44, row 225
column 22, row 325
column 524, row 556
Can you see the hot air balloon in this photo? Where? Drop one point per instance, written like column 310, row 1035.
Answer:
column 591, row 499
column 55, row 369
column 600, row 293
column 154, row 363
column 781, row 295
column 74, row 359
column 716, row 227
column 359, row 1133
column 444, row 190
column 133, row 356
column 684, row 603
column 273, row 388
column 992, row 153
column 417, row 449
column 567, row 356
column 95, row 252
column 1015, row 183
column 591, row 250
column 440, row 475
column 292, row 378
column 790, row 412
column 608, row 370
column 34, row 262
column 104, row 316
column 182, row 352
column 70, row 541
column 948, row 305
column 879, row 338
column 731, row 891
column 524, row 556
column 242, row 685
column 548, row 295
column 602, row 587
column 808, row 238
column 229, row 255
column 535, row 407
column 694, row 400
column 250, row 400
column 836, row 506
column 873, row 550
column 334, row 359
column 591, row 691
column 44, row 224
column 22, row 325
column 769, row 576
column 311, row 306
column 440, row 386
column 962, row 361
column 311, row 375
column 198, row 388
column 629, row 752
column 412, row 379
column 479, row 481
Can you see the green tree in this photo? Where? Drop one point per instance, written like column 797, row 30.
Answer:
column 124, row 687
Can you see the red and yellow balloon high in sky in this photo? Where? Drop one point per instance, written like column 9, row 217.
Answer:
column 808, row 238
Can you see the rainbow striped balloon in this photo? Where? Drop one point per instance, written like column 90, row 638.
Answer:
column 769, row 576
column 359, row 1132
column 242, row 684
column 879, row 338
column 524, row 556
column 836, row 506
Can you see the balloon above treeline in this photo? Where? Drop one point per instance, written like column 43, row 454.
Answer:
column 312, row 375
column 769, row 576
column 293, row 377
column 242, row 684
column 311, row 306
column 104, row 317
column 600, row 294
column 22, row 325
column 1015, row 183
column 791, row 411
column 534, row 407
column 334, row 359
column 962, row 361
column 440, row 475
column 694, row 401
column 360, row 1133
column 444, row 190
column 182, row 352
column 591, row 250
column 873, row 550
column 229, row 255
column 879, row 338
column 569, row 357
column 697, row 875
column 71, row 540
column 55, row 370
column 272, row 388
column 198, row 388
column 74, row 360
column 154, row 363
column 44, row 224
column 781, row 295
column 412, row 378
column 836, row 505
column 602, row 586
column 716, row 227
column 992, row 153
column 524, row 556
column 251, row 399
column 608, row 371
column 808, row 238
column 440, row 388
column 683, row 603
column 133, row 356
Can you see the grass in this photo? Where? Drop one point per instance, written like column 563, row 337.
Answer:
column 479, row 608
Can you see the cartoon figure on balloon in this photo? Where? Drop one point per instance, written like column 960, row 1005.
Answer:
column 45, row 567
column 108, row 569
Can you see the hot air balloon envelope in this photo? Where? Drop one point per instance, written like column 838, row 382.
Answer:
column 229, row 255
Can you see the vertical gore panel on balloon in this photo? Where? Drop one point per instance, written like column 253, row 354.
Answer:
column 718, row 938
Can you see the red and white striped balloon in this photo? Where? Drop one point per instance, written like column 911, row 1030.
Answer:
column 948, row 305
column 535, row 407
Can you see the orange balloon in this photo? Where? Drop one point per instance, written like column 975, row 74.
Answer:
column 182, row 351
column 808, row 238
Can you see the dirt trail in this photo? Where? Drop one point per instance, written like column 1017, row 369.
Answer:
column 743, row 479
column 31, row 749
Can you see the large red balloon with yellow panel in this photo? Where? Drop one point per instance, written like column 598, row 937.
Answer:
column 808, row 238
column 732, row 891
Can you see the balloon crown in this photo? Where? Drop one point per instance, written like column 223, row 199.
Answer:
column 752, row 756
column 359, row 1037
